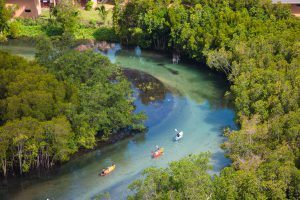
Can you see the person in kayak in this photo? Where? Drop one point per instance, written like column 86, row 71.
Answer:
column 103, row 171
column 157, row 148
column 108, row 170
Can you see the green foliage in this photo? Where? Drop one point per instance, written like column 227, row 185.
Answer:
column 105, row 34
column 101, row 196
column 102, row 12
column 89, row 5
column 46, row 114
column 148, row 16
column 14, row 29
column 31, row 28
column 184, row 179
column 237, row 185
column 104, row 104
column 5, row 15
column 256, row 44
column 66, row 19
column 34, row 128
column 85, row 33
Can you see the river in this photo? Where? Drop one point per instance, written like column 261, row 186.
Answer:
column 182, row 96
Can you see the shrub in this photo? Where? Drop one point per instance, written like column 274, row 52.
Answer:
column 89, row 5
column 85, row 33
column 30, row 31
column 3, row 36
column 106, row 34
column 102, row 12
column 29, row 27
column 15, row 29
column 93, row 23
column 66, row 19
column 32, row 22
column 53, row 28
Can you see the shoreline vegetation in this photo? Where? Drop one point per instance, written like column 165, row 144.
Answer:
column 62, row 101
column 93, row 100
column 47, row 114
column 255, row 43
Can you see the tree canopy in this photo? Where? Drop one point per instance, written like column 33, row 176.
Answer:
column 256, row 44
column 48, row 113
column 5, row 15
column 184, row 179
column 65, row 21
column 34, row 130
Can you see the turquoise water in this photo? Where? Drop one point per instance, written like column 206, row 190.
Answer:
column 181, row 96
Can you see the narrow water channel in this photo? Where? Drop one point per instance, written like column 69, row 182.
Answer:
column 181, row 96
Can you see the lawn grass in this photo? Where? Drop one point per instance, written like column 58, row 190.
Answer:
column 93, row 16
column 87, row 16
column 45, row 13
column 90, row 21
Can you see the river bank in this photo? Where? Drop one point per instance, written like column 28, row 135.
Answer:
column 192, row 100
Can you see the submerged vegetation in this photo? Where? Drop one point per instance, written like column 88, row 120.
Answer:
column 256, row 44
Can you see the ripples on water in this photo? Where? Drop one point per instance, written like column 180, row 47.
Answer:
column 186, row 97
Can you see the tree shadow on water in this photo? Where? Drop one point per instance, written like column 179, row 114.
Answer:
column 219, row 161
column 221, row 118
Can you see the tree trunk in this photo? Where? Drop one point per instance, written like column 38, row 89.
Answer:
column 20, row 158
column 38, row 161
column 4, row 166
column 47, row 160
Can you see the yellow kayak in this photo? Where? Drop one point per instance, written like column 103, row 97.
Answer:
column 108, row 170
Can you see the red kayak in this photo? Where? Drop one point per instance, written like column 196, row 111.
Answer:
column 158, row 153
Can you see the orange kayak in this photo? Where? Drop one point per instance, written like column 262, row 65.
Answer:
column 158, row 153
column 108, row 170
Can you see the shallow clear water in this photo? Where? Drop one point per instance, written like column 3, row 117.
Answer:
column 182, row 96
column 24, row 49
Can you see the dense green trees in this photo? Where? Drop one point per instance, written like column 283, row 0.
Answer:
column 5, row 15
column 65, row 21
column 34, row 131
column 256, row 44
column 46, row 117
column 47, row 114
column 104, row 96
column 184, row 179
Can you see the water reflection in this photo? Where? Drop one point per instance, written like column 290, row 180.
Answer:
column 21, row 48
column 138, row 51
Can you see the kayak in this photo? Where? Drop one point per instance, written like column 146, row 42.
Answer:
column 179, row 137
column 108, row 170
column 158, row 153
